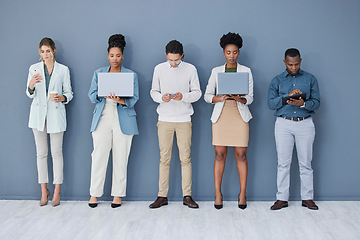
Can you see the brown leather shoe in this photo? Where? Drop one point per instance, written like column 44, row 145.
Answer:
column 279, row 205
column 160, row 201
column 188, row 201
column 309, row 204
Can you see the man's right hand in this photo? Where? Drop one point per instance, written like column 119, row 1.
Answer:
column 166, row 97
column 294, row 92
column 36, row 78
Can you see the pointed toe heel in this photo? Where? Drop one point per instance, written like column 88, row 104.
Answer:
column 93, row 205
column 47, row 199
column 219, row 206
column 115, row 205
column 242, row 206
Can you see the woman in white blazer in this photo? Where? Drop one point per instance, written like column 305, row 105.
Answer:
column 48, row 115
column 230, row 119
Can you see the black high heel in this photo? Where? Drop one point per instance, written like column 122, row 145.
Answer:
column 115, row 205
column 219, row 206
column 93, row 205
column 242, row 206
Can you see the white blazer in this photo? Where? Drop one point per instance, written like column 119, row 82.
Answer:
column 42, row 108
column 211, row 91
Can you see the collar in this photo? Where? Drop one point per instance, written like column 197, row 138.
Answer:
column 122, row 68
column 286, row 74
column 173, row 67
column 44, row 66
column 237, row 66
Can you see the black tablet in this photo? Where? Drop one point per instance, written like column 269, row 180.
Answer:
column 296, row 96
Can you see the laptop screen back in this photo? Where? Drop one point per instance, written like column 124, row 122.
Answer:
column 122, row 84
column 233, row 83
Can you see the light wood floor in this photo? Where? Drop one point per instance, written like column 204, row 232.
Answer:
column 134, row 220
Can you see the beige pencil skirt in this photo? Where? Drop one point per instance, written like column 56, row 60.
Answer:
column 230, row 129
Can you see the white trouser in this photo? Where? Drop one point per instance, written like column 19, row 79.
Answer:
column 56, row 141
column 302, row 134
column 106, row 137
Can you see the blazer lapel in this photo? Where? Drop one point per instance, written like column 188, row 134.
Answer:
column 52, row 78
column 42, row 84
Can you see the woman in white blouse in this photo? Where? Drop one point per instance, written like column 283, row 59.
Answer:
column 230, row 119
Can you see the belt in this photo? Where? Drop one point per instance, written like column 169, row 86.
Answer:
column 296, row 119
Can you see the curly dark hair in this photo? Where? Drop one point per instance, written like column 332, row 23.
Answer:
column 117, row 40
column 231, row 38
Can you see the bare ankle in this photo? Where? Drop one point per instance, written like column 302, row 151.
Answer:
column 93, row 200
column 117, row 200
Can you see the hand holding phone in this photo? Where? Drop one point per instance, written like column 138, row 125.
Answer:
column 177, row 96
column 36, row 78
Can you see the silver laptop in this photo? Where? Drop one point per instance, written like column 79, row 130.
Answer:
column 236, row 83
column 122, row 84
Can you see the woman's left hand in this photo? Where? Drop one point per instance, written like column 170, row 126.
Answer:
column 239, row 98
column 58, row 98
column 116, row 99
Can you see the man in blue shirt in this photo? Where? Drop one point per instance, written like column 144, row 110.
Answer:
column 294, row 125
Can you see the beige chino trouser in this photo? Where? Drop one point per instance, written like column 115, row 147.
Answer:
column 56, row 142
column 106, row 137
column 166, row 132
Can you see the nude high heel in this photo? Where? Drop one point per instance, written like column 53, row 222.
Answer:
column 55, row 204
column 46, row 202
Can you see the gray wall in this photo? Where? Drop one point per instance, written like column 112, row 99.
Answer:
column 326, row 32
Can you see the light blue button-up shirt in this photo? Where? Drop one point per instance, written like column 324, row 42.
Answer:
column 284, row 83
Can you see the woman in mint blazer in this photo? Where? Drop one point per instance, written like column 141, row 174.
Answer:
column 48, row 115
column 113, row 127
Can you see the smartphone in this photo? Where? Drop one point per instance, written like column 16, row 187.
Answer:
column 38, row 71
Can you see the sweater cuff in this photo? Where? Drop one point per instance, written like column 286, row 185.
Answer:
column 31, row 91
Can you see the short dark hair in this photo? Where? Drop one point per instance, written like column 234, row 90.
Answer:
column 117, row 40
column 231, row 38
column 175, row 47
column 292, row 52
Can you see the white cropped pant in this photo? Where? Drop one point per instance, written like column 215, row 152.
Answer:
column 56, row 141
column 106, row 137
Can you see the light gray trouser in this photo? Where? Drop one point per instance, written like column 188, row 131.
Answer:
column 302, row 134
column 56, row 141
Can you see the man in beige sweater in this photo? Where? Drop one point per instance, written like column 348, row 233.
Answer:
column 175, row 86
